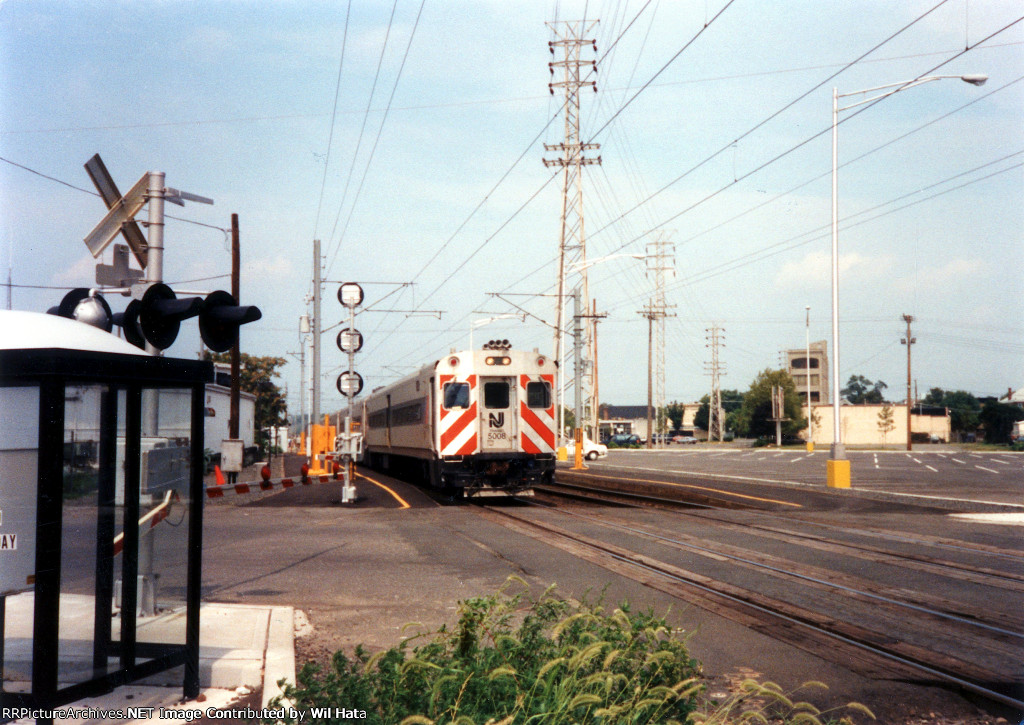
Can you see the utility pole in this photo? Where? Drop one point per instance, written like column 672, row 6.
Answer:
column 236, row 370
column 778, row 411
column 716, row 422
column 652, row 311
column 314, row 413
column 660, row 264
column 572, row 241
column 577, row 326
column 594, row 413
column 908, row 341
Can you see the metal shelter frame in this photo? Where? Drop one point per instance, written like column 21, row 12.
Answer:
column 51, row 370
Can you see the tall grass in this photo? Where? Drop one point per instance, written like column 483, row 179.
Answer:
column 513, row 660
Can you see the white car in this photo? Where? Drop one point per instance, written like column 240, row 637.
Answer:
column 591, row 451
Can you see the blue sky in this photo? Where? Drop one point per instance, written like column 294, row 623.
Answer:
column 437, row 179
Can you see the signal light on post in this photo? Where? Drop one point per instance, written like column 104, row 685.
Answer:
column 161, row 314
column 220, row 319
column 128, row 321
column 156, row 318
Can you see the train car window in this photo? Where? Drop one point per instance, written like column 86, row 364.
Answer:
column 496, row 395
column 538, row 395
column 456, row 395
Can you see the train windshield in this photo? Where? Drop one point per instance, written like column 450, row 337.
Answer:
column 496, row 395
column 456, row 395
column 538, row 395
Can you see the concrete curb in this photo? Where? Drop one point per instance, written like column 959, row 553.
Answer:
column 279, row 662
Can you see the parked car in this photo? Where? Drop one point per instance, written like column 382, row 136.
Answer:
column 591, row 451
column 624, row 439
column 686, row 440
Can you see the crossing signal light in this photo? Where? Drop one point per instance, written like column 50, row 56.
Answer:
column 220, row 319
column 156, row 318
column 128, row 321
column 161, row 314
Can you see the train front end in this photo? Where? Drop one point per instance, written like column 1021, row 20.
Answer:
column 495, row 432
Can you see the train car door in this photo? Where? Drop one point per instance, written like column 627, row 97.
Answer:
column 498, row 414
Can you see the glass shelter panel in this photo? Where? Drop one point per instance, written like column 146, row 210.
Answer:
column 19, row 452
column 164, row 476
column 92, row 528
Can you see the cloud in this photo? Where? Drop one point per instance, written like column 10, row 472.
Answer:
column 814, row 271
column 80, row 274
column 953, row 273
column 262, row 271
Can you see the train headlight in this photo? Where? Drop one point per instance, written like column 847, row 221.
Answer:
column 496, row 360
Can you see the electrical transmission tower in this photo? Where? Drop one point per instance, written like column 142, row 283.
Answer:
column 567, row 49
column 716, row 418
column 660, row 265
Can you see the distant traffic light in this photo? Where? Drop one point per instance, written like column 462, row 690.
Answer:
column 220, row 319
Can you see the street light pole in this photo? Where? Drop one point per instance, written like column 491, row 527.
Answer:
column 838, row 475
column 810, row 416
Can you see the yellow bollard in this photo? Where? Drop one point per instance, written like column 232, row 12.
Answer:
column 838, row 473
column 563, row 453
column 810, row 446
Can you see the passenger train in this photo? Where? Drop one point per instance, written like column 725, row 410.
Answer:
column 475, row 422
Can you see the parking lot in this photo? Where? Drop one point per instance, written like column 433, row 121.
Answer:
column 946, row 472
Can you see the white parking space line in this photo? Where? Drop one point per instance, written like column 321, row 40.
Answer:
column 798, row 458
column 996, row 460
column 934, row 469
column 916, row 460
column 959, row 461
column 987, row 469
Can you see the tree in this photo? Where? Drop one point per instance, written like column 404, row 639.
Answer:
column 998, row 419
column 886, row 421
column 963, row 408
column 860, row 390
column 731, row 401
column 675, row 411
column 256, row 376
column 754, row 416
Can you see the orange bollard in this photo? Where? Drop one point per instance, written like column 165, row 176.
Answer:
column 218, row 475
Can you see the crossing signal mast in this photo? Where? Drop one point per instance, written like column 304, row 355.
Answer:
column 153, row 318
column 567, row 49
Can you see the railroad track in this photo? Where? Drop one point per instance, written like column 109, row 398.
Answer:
column 862, row 638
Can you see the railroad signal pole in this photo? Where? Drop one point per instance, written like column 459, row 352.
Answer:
column 908, row 341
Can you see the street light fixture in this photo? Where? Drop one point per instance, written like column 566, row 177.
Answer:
column 838, row 465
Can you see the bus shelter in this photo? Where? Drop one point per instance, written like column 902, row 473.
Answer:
column 101, row 464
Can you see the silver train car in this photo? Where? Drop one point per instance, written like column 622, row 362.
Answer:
column 474, row 423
